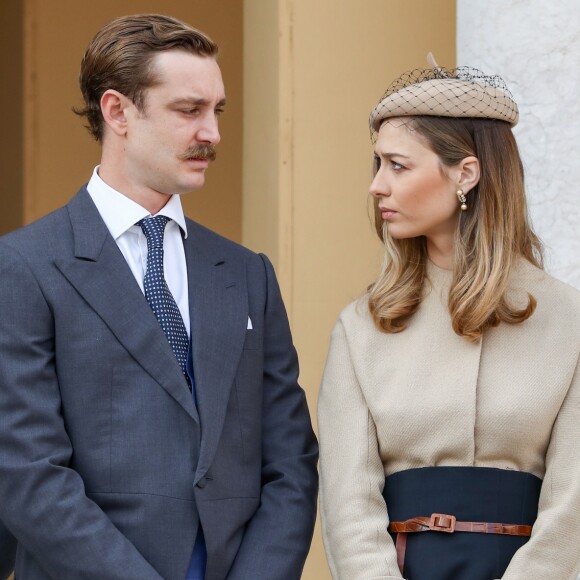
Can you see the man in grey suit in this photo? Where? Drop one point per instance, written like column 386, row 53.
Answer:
column 151, row 423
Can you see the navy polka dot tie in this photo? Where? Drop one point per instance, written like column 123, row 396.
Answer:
column 158, row 294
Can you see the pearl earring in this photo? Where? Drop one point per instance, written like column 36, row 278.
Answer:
column 462, row 199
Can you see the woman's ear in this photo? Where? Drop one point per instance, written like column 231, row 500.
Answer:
column 468, row 172
column 113, row 108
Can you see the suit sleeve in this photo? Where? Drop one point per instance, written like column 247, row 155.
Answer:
column 277, row 539
column 352, row 477
column 553, row 550
column 42, row 500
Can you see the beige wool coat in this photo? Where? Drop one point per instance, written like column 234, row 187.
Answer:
column 427, row 397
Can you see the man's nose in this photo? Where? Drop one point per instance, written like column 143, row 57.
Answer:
column 209, row 131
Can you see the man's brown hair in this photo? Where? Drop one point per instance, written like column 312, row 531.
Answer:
column 120, row 58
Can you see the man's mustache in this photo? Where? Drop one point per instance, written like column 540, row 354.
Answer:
column 200, row 151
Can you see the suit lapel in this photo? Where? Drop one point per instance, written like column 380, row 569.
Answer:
column 219, row 315
column 100, row 274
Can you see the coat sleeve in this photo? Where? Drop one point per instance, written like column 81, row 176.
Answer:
column 42, row 500
column 277, row 538
column 352, row 478
column 553, row 550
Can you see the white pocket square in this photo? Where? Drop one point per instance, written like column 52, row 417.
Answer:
column 249, row 327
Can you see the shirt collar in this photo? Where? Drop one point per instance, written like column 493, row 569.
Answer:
column 120, row 213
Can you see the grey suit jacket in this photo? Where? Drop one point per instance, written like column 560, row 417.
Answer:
column 106, row 464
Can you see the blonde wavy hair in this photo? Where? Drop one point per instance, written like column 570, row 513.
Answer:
column 491, row 235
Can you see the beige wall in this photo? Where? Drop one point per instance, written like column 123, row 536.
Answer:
column 309, row 87
column 59, row 154
column 11, row 154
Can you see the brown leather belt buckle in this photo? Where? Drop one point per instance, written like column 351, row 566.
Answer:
column 442, row 523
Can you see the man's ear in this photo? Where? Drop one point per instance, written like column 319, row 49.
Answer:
column 468, row 173
column 114, row 108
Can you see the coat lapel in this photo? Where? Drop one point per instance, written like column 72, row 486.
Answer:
column 219, row 316
column 100, row 274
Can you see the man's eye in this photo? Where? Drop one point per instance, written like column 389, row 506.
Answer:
column 396, row 166
column 219, row 111
column 189, row 111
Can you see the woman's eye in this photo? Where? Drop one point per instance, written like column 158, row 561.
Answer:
column 396, row 166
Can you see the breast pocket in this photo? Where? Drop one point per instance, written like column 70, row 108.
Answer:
column 253, row 340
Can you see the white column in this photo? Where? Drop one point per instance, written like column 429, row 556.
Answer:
column 535, row 46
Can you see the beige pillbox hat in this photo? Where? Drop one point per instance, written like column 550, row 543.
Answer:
column 459, row 92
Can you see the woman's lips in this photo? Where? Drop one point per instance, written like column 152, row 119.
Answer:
column 387, row 213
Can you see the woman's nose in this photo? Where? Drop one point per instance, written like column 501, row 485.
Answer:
column 379, row 186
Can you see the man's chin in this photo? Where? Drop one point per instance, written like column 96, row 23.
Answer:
column 195, row 182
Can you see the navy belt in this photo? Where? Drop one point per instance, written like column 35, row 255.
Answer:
column 453, row 500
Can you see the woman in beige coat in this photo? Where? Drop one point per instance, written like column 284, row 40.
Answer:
column 449, row 412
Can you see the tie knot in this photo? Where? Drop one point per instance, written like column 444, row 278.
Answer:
column 154, row 229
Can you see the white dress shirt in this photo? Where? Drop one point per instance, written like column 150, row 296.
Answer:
column 120, row 215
